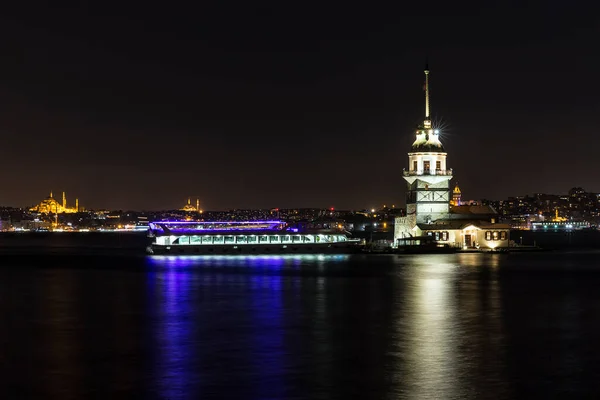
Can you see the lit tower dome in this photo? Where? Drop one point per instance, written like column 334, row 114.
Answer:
column 428, row 196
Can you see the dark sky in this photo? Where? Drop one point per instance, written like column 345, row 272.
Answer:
column 142, row 105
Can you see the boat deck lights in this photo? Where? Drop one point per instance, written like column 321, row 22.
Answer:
column 216, row 222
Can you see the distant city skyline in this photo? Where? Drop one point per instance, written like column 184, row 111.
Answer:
column 192, row 203
column 141, row 108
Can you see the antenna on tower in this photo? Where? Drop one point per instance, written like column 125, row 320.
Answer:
column 427, row 122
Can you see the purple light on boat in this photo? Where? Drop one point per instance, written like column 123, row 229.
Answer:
column 217, row 222
column 223, row 232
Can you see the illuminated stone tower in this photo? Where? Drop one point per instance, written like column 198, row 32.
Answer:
column 428, row 196
column 456, row 194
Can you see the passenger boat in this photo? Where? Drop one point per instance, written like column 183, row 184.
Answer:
column 249, row 237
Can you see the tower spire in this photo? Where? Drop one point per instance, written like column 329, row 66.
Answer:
column 427, row 122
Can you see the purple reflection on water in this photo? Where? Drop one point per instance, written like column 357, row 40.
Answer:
column 272, row 262
column 174, row 334
column 268, row 352
column 219, row 323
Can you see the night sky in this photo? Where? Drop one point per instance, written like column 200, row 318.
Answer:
column 296, row 105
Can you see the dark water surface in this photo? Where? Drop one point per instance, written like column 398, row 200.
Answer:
column 469, row 326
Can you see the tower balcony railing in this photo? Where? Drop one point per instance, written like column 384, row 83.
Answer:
column 419, row 172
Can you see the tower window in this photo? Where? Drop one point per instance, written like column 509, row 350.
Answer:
column 426, row 166
column 438, row 165
column 414, row 165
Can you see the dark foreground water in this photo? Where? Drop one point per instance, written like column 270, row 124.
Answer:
column 468, row 326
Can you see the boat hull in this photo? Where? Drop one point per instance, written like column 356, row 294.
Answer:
column 313, row 248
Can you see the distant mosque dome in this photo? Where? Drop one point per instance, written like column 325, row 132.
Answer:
column 52, row 205
column 190, row 208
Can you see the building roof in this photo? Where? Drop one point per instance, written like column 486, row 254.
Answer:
column 441, row 225
column 473, row 210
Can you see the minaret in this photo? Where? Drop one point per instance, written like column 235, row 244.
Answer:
column 197, row 204
column 64, row 201
column 428, row 178
column 77, row 205
column 51, row 194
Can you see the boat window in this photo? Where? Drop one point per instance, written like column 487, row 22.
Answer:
column 309, row 239
column 184, row 240
column 252, row 239
column 495, row 235
column 229, row 239
column 488, row 235
column 195, row 240
column 241, row 239
column 264, row 239
column 207, row 239
column 274, row 239
column 503, row 235
column 297, row 239
column 218, row 240
column 286, row 239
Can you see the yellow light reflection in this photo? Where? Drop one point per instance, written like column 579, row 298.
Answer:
column 434, row 333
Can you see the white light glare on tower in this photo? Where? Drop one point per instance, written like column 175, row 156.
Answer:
column 437, row 131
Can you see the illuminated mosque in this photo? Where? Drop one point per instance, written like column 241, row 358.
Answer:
column 432, row 211
column 52, row 205
column 191, row 208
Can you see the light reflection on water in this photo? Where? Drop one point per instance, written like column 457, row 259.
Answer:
column 431, row 329
column 177, row 282
column 174, row 335
column 429, row 326
column 264, row 261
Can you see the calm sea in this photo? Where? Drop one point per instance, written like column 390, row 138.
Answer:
column 77, row 325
